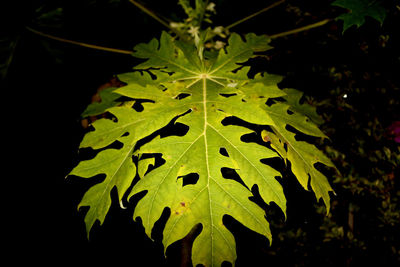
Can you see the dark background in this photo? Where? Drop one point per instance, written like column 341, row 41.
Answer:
column 50, row 83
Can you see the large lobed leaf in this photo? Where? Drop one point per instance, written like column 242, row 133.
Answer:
column 200, row 94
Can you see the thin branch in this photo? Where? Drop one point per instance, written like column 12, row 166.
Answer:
column 97, row 47
column 150, row 13
column 157, row 18
column 254, row 14
column 301, row 29
column 128, row 52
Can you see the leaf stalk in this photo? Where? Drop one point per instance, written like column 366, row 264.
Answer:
column 157, row 18
column 91, row 46
column 150, row 13
column 301, row 29
column 254, row 14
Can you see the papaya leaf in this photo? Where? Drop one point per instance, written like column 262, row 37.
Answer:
column 359, row 9
column 108, row 100
column 293, row 98
column 201, row 94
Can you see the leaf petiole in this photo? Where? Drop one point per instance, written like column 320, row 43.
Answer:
column 254, row 14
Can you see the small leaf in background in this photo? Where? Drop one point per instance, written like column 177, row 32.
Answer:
column 359, row 9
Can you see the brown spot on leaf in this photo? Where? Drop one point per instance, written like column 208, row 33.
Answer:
column 266, row 138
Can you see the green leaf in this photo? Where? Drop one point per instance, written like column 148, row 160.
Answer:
column 119, row 170
column 199, row 94
column 108, row 100
column 359, row 9
column 293, row 98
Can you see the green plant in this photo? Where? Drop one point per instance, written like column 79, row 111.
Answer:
column 230, row 126
column 199, row 131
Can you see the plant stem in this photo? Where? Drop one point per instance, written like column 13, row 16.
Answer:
column 97, row 47
column 128, row 52
column 254, row 14
column 157, row 18
column 150, row 13
column 304, row 28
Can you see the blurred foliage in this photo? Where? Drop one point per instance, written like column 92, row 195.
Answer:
column 370, row 171
column 7, row 50
column 363, row 226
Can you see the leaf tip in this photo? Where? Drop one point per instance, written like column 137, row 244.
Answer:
column 121, row 204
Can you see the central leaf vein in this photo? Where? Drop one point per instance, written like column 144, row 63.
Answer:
column 207, row 162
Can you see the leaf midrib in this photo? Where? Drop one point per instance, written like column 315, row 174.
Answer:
column 228, row 61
